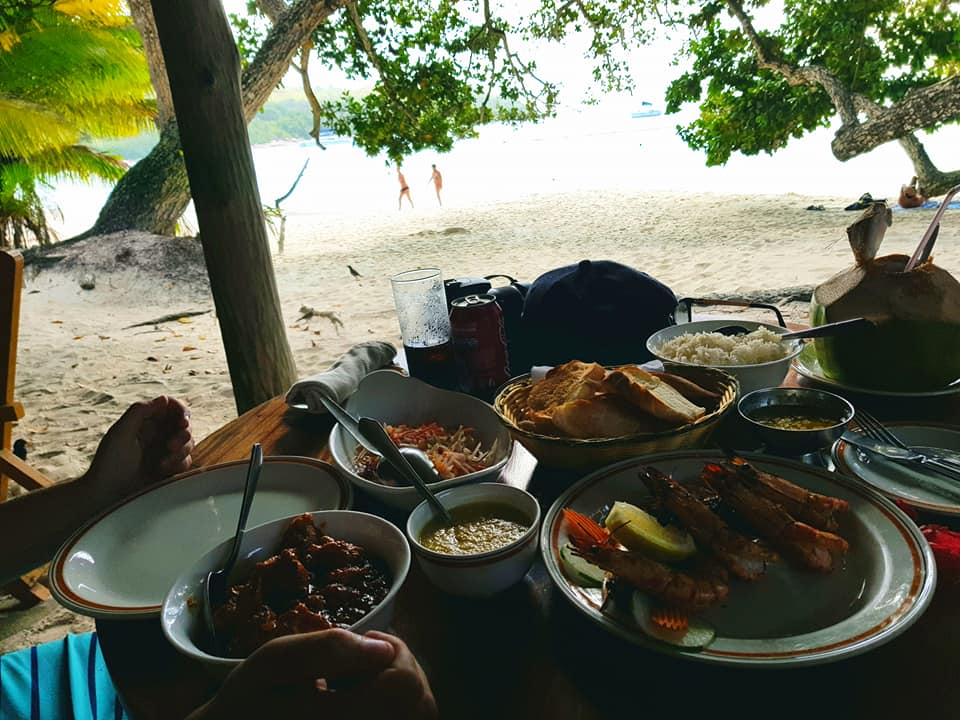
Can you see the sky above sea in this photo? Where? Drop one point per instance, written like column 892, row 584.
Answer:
column 598, row 147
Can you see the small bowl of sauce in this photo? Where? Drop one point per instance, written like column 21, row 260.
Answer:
column 477, row 529
column 489, row 546
column 796, row 420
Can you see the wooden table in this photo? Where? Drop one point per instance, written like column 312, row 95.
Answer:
column 528, row 654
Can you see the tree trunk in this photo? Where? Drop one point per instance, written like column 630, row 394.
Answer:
column 204, row 70
column 154, row 193
column 143, row 19
column 921, row 108
column 931, row 180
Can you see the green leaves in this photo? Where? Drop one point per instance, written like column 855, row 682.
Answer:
column 437, row 69
column 75, row 71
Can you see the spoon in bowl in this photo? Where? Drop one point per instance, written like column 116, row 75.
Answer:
column 215, row 584
column 376, row 434
column 415, row 456
column 833, row 328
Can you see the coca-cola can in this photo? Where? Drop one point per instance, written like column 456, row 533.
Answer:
column 479, row 345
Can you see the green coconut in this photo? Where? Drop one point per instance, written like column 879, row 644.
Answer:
column 915, row 344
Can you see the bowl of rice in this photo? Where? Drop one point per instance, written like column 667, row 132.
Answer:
column 758, row 359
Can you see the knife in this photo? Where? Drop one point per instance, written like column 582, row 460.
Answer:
column 347, row 421
column 895, row 453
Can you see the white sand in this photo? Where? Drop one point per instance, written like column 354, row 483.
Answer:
column 80, row 366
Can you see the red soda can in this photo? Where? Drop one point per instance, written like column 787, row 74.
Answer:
column 479, row 345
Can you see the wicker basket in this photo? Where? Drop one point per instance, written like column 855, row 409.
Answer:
column 577, row 454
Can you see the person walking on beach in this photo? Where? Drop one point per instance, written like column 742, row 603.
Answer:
column 404, row 189
column 437, row 179
column 910, row 197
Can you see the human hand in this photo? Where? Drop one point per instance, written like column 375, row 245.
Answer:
column 376, row 675
column 150, row 441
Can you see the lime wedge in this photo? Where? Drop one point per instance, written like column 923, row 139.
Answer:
column 640, row 531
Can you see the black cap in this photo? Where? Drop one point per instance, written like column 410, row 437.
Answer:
column 598, row 311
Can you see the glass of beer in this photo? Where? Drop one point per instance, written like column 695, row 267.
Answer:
column 425, row 325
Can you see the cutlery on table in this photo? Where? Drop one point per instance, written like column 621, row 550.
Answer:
column 872, row 427
column 215, row 584
column 376, row 434
column 899, row 454
column 415, row 456
column 834, row 328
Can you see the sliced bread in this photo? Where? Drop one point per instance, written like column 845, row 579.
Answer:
column 652, row 395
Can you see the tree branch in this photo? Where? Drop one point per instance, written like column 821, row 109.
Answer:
column 285, row 38
column 371, row 54
column 921, row 108
column 841, row 97
column 274, row 9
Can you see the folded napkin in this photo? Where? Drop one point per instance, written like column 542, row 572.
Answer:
column 342, row 378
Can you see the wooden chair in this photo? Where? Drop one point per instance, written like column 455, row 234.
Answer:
column 12, row 467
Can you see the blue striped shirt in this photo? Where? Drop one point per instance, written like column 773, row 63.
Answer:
column 62, row 680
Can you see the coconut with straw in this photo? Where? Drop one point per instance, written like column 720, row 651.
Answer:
column 914, row 304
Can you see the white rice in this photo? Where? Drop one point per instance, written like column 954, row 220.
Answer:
column 710, row 348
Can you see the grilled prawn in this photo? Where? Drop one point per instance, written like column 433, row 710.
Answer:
column 674, row 589
column 812, row 548
column 810, row 507
column 745, row 558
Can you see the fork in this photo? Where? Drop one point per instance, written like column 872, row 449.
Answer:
column 875, row 429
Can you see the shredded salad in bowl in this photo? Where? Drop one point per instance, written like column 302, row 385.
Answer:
column 454, row 451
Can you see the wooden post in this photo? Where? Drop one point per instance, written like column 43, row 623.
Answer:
column 204, row 71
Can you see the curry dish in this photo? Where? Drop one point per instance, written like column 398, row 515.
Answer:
column 314, row 582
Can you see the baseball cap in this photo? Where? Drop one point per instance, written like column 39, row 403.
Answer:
column 596, row 310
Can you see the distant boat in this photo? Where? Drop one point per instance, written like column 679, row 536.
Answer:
column 646, row 110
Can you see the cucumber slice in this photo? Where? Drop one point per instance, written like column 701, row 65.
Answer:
column 697, row 636
column 579, row 570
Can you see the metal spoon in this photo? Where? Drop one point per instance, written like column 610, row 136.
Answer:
column 415, row 456
column 376, row 434
column 215, row 584
column 818, row 331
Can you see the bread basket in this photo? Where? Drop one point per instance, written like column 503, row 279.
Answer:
column 577, row 454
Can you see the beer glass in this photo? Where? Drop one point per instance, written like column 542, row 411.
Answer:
column 425, row 325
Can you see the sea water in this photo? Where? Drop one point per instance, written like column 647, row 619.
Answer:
column 588, row 148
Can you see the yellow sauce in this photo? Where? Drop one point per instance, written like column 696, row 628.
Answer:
column 476, row 529
column 792, row 418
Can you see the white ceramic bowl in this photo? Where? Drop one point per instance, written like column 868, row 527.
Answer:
column 395, row 399
column 182, row 615
column 751, row 377
column 483, row 574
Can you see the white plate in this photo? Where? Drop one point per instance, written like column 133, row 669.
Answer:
column 807, row 364
column 395, row 399
column 122, row 563
column 917, row 487
column 789, row 616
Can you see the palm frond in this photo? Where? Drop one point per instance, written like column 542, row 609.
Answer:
column 64, row 63
column 104, row 12
column 113, row 118
column 77, row 162
column 27, row 128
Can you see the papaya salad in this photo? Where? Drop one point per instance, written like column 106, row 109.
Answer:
column 454, row 451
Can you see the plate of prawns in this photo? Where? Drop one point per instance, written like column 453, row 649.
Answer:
column 793, row 565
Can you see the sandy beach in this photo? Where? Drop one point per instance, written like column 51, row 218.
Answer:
column 84, row 355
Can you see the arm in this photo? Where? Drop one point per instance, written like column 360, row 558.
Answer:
column 149, row 442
